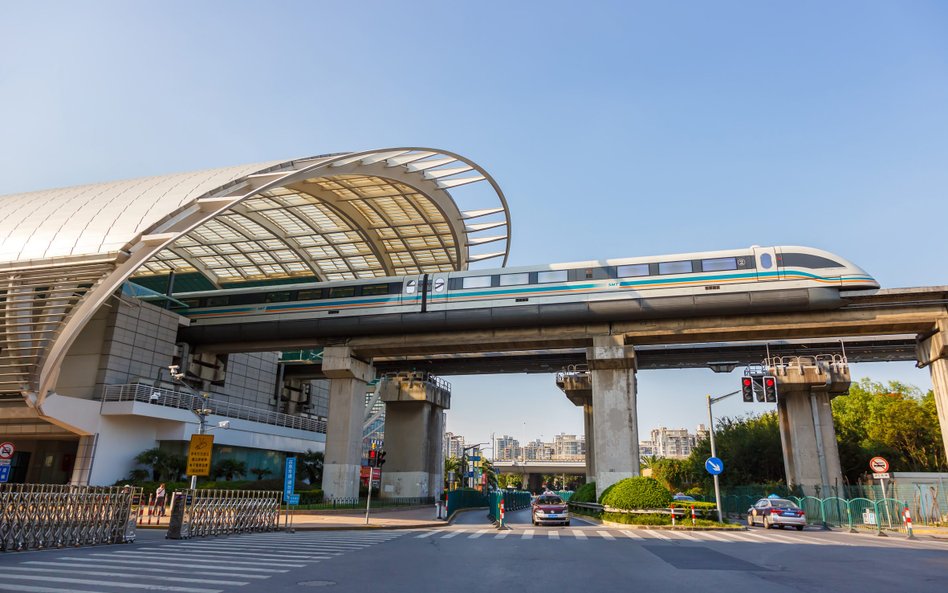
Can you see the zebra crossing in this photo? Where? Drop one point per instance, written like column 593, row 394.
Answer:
column 190, row 566
column 681, row 537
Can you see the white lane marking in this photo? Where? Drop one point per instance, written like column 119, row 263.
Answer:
column 137, row 561
column 209, row 551
column 528, row 534
column 579, row 534
column 190, row 557
column 99, row 564
column 606, row 535
column 21, row 588
column 453, row 534
column 654, row 533
column 800, row 540
column 266, row 549
column 502, row 535
column 428, row 534
column 714, row 537
column 96, row 573
column 683, row 535
column 141, row 586
column 554, row 535
column 478, row 533
column 631, row 535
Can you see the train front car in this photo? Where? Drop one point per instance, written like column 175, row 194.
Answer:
column 815, row 265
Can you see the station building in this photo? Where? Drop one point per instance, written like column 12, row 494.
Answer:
column 92, row 370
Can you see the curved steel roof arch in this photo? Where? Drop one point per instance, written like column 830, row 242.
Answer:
column 351, row 215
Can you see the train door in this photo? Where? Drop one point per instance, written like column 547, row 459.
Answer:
column 437, row 292
column 766, row 261
column 411, row 292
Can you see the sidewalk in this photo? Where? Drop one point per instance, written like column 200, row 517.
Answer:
column 398, row 518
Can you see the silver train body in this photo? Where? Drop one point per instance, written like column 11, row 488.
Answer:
column 752, row 280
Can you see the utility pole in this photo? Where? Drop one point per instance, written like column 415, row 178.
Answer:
column 717, row 487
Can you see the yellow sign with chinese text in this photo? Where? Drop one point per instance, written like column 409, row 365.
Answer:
column 199, row 455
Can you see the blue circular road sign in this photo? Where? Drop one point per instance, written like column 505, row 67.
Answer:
column 714, row 466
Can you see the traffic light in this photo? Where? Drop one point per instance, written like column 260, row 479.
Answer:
column 380, row 460
column 373, row 458
column 770, row 389
column 747, row 389
column 759, row 388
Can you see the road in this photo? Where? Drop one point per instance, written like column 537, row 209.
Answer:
column 473, row 556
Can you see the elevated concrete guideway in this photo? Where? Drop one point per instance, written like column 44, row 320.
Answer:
column 871, row 324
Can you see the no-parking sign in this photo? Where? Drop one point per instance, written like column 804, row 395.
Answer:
column 6, row 450
column 879, row 465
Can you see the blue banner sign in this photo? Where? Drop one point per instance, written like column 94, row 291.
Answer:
column 289, row 477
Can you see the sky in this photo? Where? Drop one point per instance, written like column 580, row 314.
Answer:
column 615, row 129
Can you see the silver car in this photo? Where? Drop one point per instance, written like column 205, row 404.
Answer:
column 776, row 512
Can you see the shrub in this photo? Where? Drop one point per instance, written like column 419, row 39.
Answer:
column 605, row 492
column 585, row 493
column 314, row 496
column 636, row 493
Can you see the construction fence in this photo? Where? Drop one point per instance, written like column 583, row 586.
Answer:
column 199, row 513
column 39, row 516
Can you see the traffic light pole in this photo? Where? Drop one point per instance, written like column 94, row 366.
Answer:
column 714, row 453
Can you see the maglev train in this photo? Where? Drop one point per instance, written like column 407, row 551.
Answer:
column 751, row 280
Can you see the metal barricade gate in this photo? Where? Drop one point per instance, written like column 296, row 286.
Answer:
column 222, row 512
column 38, row 516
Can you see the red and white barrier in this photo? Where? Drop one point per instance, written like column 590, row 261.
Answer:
column 907, row 517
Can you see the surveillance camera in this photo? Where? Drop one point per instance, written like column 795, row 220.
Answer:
column 173, row 369
column 223, row 424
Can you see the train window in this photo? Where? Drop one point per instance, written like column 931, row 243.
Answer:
column 719, row 264
column 439, row 284
column 476, row 282
column 279, row 297
column 342, row 291
column 514, row 279
column 632, row 270
column 217, row 301
column 191, row 303
column 374, row 289
column 766, row 261
column 410, row 286
column 553, row 276
column 674, row 267
column 805, row 260
column 310, row 295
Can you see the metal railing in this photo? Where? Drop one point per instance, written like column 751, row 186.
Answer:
column 222, row 512
column 514, row 500
column 38, row 516
column 359, row 503
column 882, row 514
column 466, row 499
column 162, row 396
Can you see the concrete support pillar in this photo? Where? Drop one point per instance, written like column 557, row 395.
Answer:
column 614, row 416
column 807, row 434
column 414, row 431
column 933, row 353
column 348, row 378
column 590, row 442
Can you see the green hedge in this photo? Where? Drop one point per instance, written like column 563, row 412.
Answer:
column 656, row 519
column 636, row 493
column 585, row 493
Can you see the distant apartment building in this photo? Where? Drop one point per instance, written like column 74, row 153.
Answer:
column 507, row 448
column 569, row 447
column 673, row 442
column 453, row 445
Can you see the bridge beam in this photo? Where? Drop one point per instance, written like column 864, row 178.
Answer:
column 348, row 379
column 933, row 353
column 414, row 430
column 807, row 434
column 614, row 415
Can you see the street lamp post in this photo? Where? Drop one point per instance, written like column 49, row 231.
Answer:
column 202, row 413
column 717, row 486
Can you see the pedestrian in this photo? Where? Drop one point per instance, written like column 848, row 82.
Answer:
column 160, row 499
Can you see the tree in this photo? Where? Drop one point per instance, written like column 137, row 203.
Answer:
column 750, row 447
column 648, row 462
column 509, row 481
column 164, row 465
column 260, row 472
column 451, row 465
column 487, row 468
column 229, row 469
column 312, row 464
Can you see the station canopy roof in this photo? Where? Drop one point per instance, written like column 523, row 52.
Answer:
column 342, row 216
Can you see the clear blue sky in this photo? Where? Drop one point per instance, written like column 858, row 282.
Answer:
column 615, row 129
